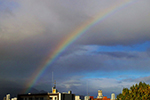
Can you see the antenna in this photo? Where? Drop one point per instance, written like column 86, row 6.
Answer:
column 52, row 78
column 55, row 84
column 87, row 89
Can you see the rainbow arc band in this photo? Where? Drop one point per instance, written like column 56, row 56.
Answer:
column 73, row 36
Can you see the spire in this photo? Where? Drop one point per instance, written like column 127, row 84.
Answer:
column 52, row 78
column 54, row 88
column 54, row 84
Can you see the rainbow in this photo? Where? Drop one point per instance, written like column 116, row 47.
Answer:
column 73, row 36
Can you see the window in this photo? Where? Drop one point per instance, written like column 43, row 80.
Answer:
column 36, row 98
column 30, row 98
column 21, row 98
column 51, row 98
column 41, row 98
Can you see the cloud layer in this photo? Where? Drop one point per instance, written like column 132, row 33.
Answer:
column 110, row 55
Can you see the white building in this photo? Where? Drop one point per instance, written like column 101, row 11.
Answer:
column 14, row 98
column 113, row 96
column 100, row 95
column 87, row 98
column 8, row 97
column 47, row 96
column 79, row 97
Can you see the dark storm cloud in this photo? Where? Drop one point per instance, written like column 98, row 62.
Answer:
column 30, row 30
column 32, row 19
column 13, row 87
column 92, row 85
column 119, row 54
column 81, row 60
column 128, row 26
column 140, row 79
column 148, row 51
column 57, row 19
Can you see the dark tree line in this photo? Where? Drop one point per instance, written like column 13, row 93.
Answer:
column 139, row 91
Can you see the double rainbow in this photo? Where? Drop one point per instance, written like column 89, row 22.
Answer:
column 73, row 37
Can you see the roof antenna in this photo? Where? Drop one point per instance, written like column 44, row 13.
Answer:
column 53, row 82
column 55, row 85
column 52, row 78
column 87, row 89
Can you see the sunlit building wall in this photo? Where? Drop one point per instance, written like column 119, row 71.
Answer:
column 14, row 98
column 47, row 96
column 100, row 95
column 79, row 97
column 8, row 97
column 87, row 98
column 112, row 96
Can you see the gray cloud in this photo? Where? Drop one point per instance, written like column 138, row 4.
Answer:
column 127, row 26
column 104, row 61
column 57, row 19
column 140, row 79
column 30, row 30
column 120, row 54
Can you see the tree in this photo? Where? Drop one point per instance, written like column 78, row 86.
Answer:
column 139, row 91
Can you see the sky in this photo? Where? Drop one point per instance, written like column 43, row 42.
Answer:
column 111, row 54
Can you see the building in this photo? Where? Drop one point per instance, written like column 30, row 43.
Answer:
column 79, row 97
column 29, row 96
column 87, row 98
column 14, row 98
column 113, row 96
column 4, row 98
column 47, row 96
column 104, row 98
column 100, row 96
column 8, row 97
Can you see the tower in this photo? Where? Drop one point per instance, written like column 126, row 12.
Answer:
column 112, row 96
column 54, row 85
column 8, row 97
column 100, row 94
column 54, row 88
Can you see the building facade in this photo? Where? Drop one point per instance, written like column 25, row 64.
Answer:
column 113, row 96
column 77, row 97
column 47, row 96
column 100, row 96
column 8, row 97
